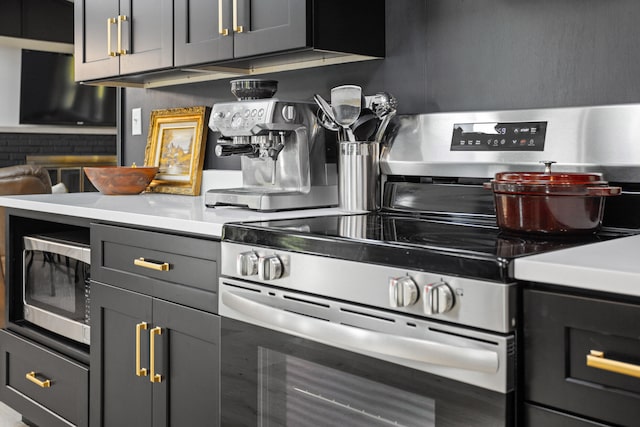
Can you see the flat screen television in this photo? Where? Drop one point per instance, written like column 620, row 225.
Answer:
column 50, row 96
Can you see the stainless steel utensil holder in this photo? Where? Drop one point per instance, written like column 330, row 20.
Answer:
column 359, row 175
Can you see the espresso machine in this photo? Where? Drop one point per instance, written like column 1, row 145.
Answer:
column 282, row 147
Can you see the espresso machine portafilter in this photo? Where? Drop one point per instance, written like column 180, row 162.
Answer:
column 283, row 156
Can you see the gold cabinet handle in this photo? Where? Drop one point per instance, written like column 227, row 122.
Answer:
column 121, row 51
column 110, row 22
column 31, row 376
column 154, row 378
column 141, row 372
column 597, row 360
column 141, row 262
column 222, row 31
column 237, row 28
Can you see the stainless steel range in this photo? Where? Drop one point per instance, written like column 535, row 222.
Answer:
column 407, row 316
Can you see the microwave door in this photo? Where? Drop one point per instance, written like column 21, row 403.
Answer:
column 56, row 287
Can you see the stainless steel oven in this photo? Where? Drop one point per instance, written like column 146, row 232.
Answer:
column 56, row 290
column 303, row 344
column 408, row 315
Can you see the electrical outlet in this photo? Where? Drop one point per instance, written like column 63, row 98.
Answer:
column 136, row 121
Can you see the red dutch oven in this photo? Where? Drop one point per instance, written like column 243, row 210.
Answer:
column 550, row 203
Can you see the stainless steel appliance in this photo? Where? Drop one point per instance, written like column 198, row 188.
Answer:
column 408, row 315
column 283, row 154
column 56, row 290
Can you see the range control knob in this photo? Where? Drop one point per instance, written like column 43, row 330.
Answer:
column 270, row 267
column 247, row 263
column 438, row 298
column 403, row 291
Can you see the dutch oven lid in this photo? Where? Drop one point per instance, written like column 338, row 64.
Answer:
column 553, row 178
column 548, row 182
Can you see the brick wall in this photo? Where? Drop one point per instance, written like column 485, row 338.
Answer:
column 14, row 147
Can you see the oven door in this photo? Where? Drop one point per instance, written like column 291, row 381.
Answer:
column 278, row 370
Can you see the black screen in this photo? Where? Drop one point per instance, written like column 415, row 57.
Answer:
column 50, row 96
column 505, row 136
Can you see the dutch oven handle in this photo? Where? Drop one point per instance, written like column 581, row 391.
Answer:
column 487, row 185
column 604, row 191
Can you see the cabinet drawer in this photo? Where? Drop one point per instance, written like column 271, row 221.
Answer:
column 537, row 416
column 560, row 331
column 65, row 401
column 180, row 269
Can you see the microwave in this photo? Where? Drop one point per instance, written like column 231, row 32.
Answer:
column 56, row 288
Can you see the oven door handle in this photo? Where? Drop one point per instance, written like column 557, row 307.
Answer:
column 362, row 340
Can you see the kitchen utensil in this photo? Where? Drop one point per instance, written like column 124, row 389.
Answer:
column 327, row 118
column 383, row 125
column 365, row 125
column 245, row 89
column 346, row 103
column 113, row 180
column 550, row 202
column 326, row 121
column 382, row 104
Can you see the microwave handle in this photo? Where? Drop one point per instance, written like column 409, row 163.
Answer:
column 76, row 252
column 413, row 349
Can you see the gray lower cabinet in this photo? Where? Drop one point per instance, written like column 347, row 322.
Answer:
column 114, row 37
column 581, row 359
column 153, row 363
column 154, row 329
column 47, row 387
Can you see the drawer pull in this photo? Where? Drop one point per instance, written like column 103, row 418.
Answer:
column 110, row 21
column 141, row 372
column 153, row 377
column 31, row 376
column 597, row 360
column 221, row 31
column 121, row 19
column 237, row 28
column 152, row 265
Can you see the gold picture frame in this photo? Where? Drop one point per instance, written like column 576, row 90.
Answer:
column 176, row 144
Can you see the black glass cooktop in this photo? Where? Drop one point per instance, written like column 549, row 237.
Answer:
column 473, row 248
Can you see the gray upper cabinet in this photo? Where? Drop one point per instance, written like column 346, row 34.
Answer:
column 212, row 38
column 202, row 31
column 45, row 20
column 211, row 31
column 120, row 37
column 207, row 31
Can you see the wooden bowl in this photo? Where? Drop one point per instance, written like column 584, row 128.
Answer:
column 119, row 179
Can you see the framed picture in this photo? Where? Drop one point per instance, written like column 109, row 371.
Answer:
column 176, row 144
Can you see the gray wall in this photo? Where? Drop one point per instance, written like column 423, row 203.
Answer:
column 452, row 55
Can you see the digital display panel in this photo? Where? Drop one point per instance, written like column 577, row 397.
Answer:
column 499, row 136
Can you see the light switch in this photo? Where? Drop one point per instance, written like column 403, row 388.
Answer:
column 136, row 121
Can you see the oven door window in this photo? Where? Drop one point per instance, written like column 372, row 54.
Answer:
column 274, row 379
column 56, row 283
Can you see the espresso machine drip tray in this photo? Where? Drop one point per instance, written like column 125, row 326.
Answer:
column 265, row 200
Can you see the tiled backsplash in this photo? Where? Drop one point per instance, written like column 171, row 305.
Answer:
column 14, row 147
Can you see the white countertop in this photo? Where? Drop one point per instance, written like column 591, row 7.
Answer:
column 610, row 266
column 169, row 212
